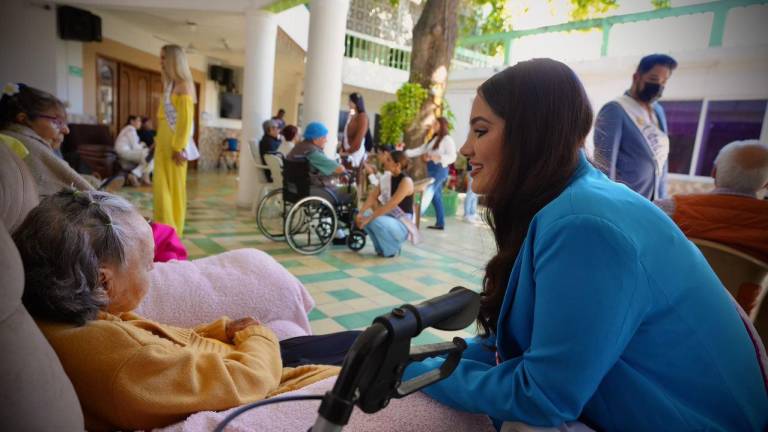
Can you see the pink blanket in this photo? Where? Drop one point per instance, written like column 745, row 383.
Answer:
column 416, row 412
column 244, row 282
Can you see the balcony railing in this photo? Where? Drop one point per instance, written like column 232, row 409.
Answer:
column 385, row 53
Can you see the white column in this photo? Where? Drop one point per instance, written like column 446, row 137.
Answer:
column 258, row 80
column 322, row 88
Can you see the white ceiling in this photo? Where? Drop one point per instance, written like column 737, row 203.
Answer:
column 207, row 35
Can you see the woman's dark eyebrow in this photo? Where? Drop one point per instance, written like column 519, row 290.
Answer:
column 477, row 119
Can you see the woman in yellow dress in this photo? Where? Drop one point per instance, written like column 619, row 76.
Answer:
column 174, row 133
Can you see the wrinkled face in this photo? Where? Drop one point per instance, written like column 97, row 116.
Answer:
column 320, row 142
column 50, row 125
column 273, row 131
column 127, row 285
column 483, row 145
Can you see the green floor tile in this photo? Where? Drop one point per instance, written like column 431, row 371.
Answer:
column 360, row 319
column 429, row 280
column 335, row 262
column 344, row 294
column 426, row 338
column 316, row 315
column 392, row 288
column 321, row 277
column 208, row 246
column 291, row 263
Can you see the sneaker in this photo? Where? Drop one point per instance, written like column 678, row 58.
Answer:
column 473, row 219
column 435, row 227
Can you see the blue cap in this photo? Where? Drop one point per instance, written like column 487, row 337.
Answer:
column 315, row 130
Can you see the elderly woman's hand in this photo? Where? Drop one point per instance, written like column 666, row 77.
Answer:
column 241, row 324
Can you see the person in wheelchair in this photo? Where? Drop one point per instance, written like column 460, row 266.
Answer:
column 323, row 171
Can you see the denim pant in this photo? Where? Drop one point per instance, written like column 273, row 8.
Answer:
column 434, row 193
column 386, row 233
column 470, row 201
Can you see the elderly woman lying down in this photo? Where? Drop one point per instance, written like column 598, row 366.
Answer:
column 86, row 267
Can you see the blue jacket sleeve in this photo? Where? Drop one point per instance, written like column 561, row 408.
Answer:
column 607, row 137
column 588, row 305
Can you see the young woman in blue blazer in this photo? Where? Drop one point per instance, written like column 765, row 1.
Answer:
column 595, row 307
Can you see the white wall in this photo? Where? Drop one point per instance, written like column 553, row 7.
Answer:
column 29, row 41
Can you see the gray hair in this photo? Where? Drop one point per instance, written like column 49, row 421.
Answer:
column 270, row 124
column 63, row 242
column 742, row 166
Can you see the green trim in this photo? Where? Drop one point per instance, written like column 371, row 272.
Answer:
column 719, row 9
column 606, row 38
column 283, row 5
column 718, row 27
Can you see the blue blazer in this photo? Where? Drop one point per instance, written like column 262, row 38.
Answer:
column 613, row 317
column 623, row 153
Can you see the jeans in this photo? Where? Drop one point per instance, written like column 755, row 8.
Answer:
column 434, row 193
column 470, row 201
column 386, row 233
column 327, row 349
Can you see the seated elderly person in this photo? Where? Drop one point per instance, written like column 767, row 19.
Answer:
column 269, row 143
column 85, row 269
column 322, row 169
column 731, row 214
column 133, row 154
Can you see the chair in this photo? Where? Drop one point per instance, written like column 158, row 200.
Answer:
column 743, row 275
column 90, row 148
column 418, row 190
column 274, row 164
column 39, row 396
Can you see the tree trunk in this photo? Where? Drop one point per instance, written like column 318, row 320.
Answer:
column 434, row 40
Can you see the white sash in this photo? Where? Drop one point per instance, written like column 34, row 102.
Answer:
column 190, row 152
column 656, row 139
column 385, row 194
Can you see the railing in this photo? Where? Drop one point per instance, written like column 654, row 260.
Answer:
column 382, row 52
column 378, row 51
column 718, row 9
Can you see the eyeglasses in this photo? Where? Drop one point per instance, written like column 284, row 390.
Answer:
column 59, row 123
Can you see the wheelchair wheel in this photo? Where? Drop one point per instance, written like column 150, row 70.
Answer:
column 310, row 225
column 270, row 216
column 356, row 240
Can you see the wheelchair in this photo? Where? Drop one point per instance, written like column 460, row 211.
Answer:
column 307, row 216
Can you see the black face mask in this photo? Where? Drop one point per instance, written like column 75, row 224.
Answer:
column 650, row 92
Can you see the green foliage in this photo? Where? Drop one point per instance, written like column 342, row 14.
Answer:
column 397, row 115
column 586, row 9
column 485, row 17
column 661, row 4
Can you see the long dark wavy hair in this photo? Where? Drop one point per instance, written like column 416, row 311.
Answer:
column 442, row 132
column 547, row 117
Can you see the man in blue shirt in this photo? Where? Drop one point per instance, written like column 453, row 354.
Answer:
column 631, row 142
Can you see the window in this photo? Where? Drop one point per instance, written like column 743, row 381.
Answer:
column 682, row 123
column 728, row 121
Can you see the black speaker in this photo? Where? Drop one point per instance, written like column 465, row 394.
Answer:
column 223, row 76
column 78, row 24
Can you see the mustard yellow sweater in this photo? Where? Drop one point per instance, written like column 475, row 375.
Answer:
column 133, row 373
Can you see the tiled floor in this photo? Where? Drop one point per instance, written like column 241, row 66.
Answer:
column 350, row 288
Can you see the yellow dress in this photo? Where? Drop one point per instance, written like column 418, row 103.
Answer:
column 170, row 180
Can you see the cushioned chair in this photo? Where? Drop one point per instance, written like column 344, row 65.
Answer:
column 743, row 275
column 37, row 394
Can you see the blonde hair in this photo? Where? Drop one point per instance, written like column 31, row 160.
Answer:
column 176, row 68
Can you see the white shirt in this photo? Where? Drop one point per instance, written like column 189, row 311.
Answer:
column 128, row 146
column 446, row 150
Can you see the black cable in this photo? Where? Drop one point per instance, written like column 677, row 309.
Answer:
column 238, row 412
